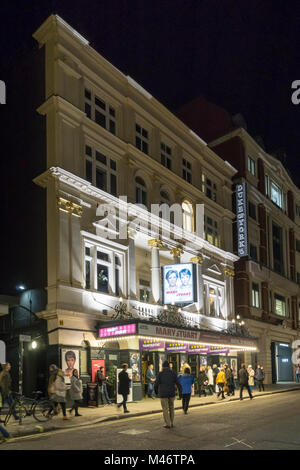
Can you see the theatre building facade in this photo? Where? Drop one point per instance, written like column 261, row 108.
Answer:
column 130, row 280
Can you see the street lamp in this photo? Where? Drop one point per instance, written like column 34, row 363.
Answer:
column 34, row 344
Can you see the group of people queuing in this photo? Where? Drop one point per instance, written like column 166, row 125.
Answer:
column 57, row 390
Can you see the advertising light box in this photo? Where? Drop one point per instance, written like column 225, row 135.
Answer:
column 178, row 284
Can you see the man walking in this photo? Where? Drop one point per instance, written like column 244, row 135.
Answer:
column 243, row 378
column 165, row 387
column 124, row 385
column 150, row 378
column 101, row 379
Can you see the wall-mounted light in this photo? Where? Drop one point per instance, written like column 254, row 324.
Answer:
column 34, row 344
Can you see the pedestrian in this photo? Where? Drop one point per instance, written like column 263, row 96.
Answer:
column 228, row 385
column 58, row 390
column 186, row 381
column 215, row 373
column 251, row 377
column 150, row 378
column 243, row 378
column 53, row 369
column 165, row 387
column 5, row 434
column 75, row 392
column 297, row 373
column 210, row 376
column 260, row 376
column 202, row 381
column 221, row 382
column 123, row 388
column 102, row 380
column 232, row 386
column 5, row 388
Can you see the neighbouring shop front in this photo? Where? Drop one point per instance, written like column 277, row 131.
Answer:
column 282, row 365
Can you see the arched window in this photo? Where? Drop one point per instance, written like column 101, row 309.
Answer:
column 187, row 216
column 140, row 191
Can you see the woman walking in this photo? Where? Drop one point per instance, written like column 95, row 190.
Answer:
column 186, row 381
column 5, row 388
column 251, row 377
column 75, row 392
column 221, row 382
column 58, row 390
column 202, row 381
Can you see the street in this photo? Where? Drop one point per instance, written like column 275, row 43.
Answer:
column 265, row 423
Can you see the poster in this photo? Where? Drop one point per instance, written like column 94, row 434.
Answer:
column 119, row 397
column 233, row 367
column 134, row 363
column 69, row 362
column 178, row 283
column 96, row 364
column 162, row 358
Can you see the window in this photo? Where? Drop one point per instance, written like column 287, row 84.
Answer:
column 186, row 170
column 297, row 210
column 299, row 312
column 100, row 111
column 140, row 191
column 253, row 252
column 251, row 166
column 166, row 155
column 215, row 302
column 187, row 216
column 277, row 249
column 103, row 270
column 298, row 278
column 252, row 210
column 141, row 139
column 145, row 290
column 100, row 170
column 211, row 231
column 279, row 303
column 298, row 245
column 209, row 188
column 274, row 192
column 255, row 295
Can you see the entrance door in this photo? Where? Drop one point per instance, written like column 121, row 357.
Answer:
column 174, row 360
column 284, row 363
column 147, row 359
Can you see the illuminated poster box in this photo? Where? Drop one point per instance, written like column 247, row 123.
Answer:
column 117, row 330
column 179, row 284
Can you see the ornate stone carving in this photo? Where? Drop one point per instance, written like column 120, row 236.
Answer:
column 228, row 271
column 176, row 252
column 155, row 243
column 70, row 207
column 197, row 259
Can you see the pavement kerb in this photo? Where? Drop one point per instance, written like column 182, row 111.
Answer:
column 39, row 428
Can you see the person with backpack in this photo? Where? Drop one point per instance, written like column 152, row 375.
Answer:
column 165, row 385
column 186, row 381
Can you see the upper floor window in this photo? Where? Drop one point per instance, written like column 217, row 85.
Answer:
column 252, row 210
column 215, row 305
column 298, row 245
column 211, row 233
column 209, row 188
column 279, row 303
column 277, row 248
column 103, row 270
column 297, row 210
column 187, row 216
column 251, row 166
column 255, row 295
column 145, row 290
column 99, row 111
column 253, row 252
column 274, row 192
column 140, row 191
column 298, row 278
column 101, row 170
column 186, row 170
column 166, row 155
column 141, row 139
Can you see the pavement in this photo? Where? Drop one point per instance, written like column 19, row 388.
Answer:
column 147, row 406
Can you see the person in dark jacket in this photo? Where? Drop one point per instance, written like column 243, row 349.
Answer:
column 243, row 378
column 215, row 374
column 101, row 380
column 260, row 376
column 186, row 381
column 165, row 387
column 202, row 381
column 5, row 388
column 124, row 385
column 228, row 377
column 150, row 378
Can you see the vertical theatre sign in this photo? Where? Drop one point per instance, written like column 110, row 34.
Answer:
column 241, row 217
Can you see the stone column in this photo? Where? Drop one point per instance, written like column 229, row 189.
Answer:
column 229, row 275
column 198, row 261
column 176, row 253
column 131, row 266
column 155, row 269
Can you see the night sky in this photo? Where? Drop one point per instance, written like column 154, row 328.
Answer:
column 242, row 56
